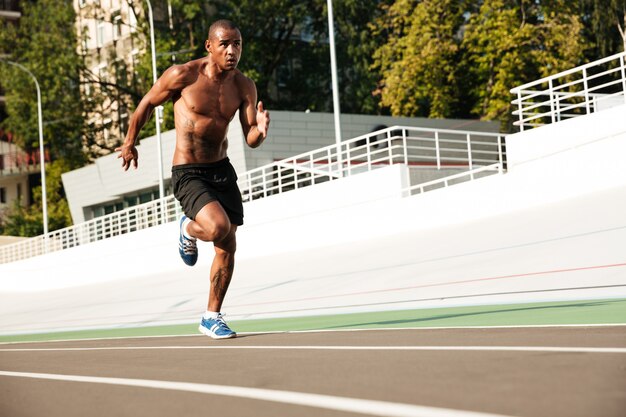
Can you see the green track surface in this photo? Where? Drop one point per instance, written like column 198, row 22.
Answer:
column 612, row 311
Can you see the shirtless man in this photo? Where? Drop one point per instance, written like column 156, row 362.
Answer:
column 206, row 93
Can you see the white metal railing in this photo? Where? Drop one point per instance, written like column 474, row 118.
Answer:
column 413, row 146
column 575, row 92
column 128, row 220
column 456, row 178
column 395, row 145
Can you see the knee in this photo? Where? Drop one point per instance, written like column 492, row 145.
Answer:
column 225, row 252
column 215, row 232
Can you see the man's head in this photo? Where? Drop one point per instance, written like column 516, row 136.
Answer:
column 224, row 44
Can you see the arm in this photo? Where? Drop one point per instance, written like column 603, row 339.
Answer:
column 171, row 81
column 255, row 121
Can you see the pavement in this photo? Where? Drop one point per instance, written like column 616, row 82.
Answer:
column 515, row 371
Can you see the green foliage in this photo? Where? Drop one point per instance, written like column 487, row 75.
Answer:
column 28, row 221
column 417, row 62
column 461, row 58
column 508, row 43
column 283, row 51
column 355, row 43
column 44, row 43
column 602, row 20
column 496, row 44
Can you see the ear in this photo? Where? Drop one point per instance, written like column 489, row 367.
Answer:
column 207, row 46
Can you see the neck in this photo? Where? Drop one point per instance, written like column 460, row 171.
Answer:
column 214, row 71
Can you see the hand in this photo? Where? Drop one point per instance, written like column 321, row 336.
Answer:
column 262, row 120
column 129, row 154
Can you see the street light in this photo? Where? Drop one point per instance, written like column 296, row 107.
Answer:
column 41, row 151
column 159, row 110
column 335, row 84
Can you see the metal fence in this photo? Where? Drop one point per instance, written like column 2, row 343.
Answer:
column 129, row 220
column 416, row 147
column 476, row 153
column 582, row 90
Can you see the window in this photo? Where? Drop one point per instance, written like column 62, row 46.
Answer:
column 131, row 201
column 132, row 19
column 102, row 72
column 123, row 122
column 145, row 197
column 98, row 212
column 121, row 75
column 84, row 38
column 3, row 195
column 106, row 130
column 19, row 192
column 100, row 32
column 117, row 27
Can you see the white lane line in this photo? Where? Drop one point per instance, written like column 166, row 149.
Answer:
column 372, row 329
column 559, row 349
column 353, row 405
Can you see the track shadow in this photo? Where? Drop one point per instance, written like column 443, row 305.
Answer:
column 418, row 320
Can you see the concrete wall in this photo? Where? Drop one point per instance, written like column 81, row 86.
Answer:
column 577, row 154
column 152, row 251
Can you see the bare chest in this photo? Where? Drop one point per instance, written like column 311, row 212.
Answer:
column 211, row 98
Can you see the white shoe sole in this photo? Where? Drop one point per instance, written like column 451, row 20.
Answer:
column 212, row 335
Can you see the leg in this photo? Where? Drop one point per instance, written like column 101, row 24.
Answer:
column 212, row 323
column 211, row 224
column 222, row 269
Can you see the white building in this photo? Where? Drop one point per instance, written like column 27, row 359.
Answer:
column 109, row 41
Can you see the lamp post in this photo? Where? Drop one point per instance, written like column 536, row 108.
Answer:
column 44, row 201
column 159, row 109
column 335, row 84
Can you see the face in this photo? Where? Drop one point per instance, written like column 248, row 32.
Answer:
column 225, row 48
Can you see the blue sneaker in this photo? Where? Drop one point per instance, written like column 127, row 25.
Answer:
column 216, row 328
column 187, row 248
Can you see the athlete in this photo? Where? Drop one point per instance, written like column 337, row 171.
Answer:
column 206, row 93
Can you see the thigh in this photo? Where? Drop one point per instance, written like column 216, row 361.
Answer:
column 212, row 216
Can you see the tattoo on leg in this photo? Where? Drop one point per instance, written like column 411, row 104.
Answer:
column 221, row 279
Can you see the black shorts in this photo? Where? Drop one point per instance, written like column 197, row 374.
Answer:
column 196, row 185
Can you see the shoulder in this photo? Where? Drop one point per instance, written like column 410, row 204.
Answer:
column 245, row 84
column 181, row 75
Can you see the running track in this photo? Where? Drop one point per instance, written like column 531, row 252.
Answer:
column 516, row 371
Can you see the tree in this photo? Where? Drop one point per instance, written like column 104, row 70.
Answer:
column 417, row 60
column 28, row 221
column 355, row 44
column 604, row 26
column 45, row 43
column 282, row 51
column 511, row 42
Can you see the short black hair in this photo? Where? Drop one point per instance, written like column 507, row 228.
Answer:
column 221, row 24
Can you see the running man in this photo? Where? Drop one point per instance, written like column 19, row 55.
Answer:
column 206, row 93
